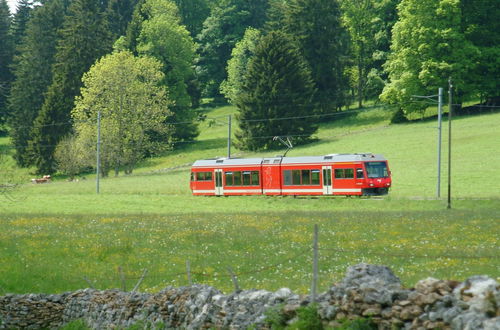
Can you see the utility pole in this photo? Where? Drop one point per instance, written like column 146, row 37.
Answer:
column 314, row 284
column 440, row 111
column 98, row 166
column 229, row 136
column 450, row 97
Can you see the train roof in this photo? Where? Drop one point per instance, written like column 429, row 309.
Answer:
column 330, row 158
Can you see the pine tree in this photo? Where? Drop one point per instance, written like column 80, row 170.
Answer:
column 278, row 85
column 119, row 14
column 316, row 26
column 33, row 73
column 20, row 20
column 6, row 52
column 85, row 37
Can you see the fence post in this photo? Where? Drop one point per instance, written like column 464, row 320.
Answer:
column 234, row 278
column 188, row 270
column 315, row 265
column 122, row 278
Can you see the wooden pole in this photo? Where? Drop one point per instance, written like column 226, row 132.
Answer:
column 234, row 278
column 188, row 270
column 315, row 265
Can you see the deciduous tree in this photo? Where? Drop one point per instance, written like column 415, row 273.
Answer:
column 237, row 66
column 163, row 37
column 128, row 92
column 428, row 47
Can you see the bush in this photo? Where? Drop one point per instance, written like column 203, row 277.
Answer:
column 308, row 318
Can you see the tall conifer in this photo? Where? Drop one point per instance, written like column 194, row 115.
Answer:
column 85, row 37
column 278, row 85
column 33, row 73
column 6, row 52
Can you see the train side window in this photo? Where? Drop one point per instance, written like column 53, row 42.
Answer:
column 359, row 173
column 295, row 177
column 255, row 178
column 287, row 177
column 246, row 178
column 208, row 176
column 315, row 177
column 237, row 178
column 229, row 178
column 306, row 176
column 200, row 176
column 339, row 173
column 349, row 173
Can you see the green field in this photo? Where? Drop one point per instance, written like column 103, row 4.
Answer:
column 54, row 235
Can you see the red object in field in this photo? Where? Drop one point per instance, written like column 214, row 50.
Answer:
column 334, row 174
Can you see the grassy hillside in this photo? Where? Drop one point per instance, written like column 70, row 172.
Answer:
column 149, row 220
column 410, row 148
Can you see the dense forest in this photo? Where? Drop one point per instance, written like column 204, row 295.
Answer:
column 142, row 69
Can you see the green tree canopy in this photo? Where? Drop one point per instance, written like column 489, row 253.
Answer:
column 238, row 64
column 85, row 37
column 193, row 13
column 481, row 26
column 427, row 47
column 163, row 37
column 316, row 26
column 359, row 17
column 221, row 30
column 278, row 85
column 6, row 52
column 33, row 73
column 128, row 92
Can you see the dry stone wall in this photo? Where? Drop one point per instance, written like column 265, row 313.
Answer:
column 366, row 291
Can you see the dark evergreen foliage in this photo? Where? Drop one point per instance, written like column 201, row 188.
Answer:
column 481, row 26
column 33, row 73
column 316, row 26
column 193, row 13
column 222, row 29
column 6, row 52
column 20, row 20
column 119, row 15
column 278, row 85
column 85, row 37
column 134, row 27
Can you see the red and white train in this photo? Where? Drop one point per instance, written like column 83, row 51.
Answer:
column 334, row 174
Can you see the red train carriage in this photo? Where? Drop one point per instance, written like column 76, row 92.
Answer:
column 335, row 174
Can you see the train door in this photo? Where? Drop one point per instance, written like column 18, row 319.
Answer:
column 327, row 180
column 219, row 190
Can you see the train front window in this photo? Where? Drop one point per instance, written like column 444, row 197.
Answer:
column 376, row 169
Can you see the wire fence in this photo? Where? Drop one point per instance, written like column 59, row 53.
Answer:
column 309, row 257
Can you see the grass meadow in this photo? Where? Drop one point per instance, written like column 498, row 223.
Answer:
column 63, row 236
